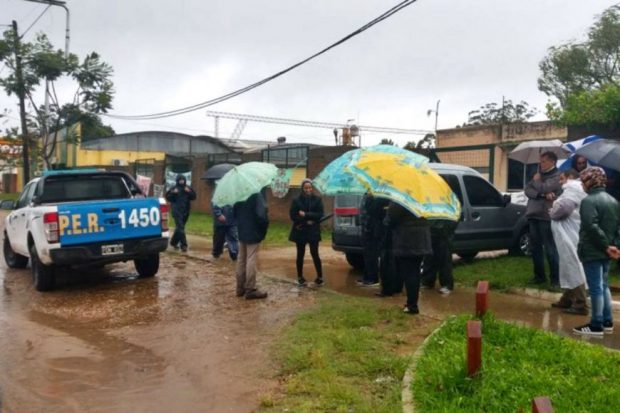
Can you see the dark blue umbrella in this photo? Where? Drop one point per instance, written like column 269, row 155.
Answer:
column 217, row 171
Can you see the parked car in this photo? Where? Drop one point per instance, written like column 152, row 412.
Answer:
column 489, row 220
column 78, row 217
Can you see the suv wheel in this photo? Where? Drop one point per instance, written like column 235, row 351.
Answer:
column 43, row 276
column 355, row 260
column 148, row 266
column 522, row 246
column 13, row 259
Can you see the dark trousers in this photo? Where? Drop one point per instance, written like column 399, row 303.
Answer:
column 178, row 236
column 225, row 233
column 409, row 269
column 542, row 243
column 439, row 262
column 371, row 259
column 391, row 281
column 314, row 252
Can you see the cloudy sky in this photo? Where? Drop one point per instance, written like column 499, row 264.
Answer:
column 171, row 54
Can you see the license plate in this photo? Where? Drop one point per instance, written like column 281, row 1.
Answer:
column 345, row 221
column 113, row 249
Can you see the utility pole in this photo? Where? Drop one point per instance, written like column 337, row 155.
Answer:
column 22, row 106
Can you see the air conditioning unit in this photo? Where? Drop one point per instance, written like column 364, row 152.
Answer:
column 119, row 162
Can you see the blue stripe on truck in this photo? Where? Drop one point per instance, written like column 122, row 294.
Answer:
column 86, row 222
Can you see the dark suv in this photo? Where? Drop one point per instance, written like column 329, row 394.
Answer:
column 489, row 221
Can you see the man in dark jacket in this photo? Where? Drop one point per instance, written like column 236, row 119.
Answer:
column 600, row 218
column 541, row 191
column 224, row 230
column 252, row 223
column 180, row 197
column 371, row 221
column 411, row 241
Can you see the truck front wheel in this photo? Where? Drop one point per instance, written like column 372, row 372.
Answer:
column 43, row 276
column 148, row 266
column 13, row 259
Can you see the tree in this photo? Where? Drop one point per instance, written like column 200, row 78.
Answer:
column 589, row 108
column 40, row 62
column 424, row 146
column 492, row 113
column 573, row 68
column 386, row 141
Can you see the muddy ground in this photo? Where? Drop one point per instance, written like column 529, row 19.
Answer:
column 110, row 342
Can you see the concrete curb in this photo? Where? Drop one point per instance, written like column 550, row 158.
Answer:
column 407, row 391
column 549, row 296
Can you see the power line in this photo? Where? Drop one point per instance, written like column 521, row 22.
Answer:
column 245, row 89
column 35, row 21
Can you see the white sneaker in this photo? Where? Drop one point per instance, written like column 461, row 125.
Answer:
column 445, row 290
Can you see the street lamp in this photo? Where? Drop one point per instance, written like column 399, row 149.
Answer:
column 59, row 4
column 428, row 113
column 47, row 103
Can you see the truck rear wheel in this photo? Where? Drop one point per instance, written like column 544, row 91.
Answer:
column 148, row 266
column 13, row 259
column 355, row 260
column 43, row 276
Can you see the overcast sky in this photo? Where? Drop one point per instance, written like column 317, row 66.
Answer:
column 171, row 54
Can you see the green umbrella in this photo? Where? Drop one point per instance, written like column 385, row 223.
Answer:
column 243, row 181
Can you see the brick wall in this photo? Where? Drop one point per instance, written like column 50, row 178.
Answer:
column 278, row 207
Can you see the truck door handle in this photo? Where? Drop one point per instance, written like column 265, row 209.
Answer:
column 111, row 210
column 475, row 216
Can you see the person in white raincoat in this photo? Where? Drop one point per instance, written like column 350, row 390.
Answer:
column 565, row 222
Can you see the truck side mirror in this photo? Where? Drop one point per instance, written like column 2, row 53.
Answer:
column 507, row 198
column 7, row 204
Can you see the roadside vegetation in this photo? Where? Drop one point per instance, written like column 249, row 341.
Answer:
column 501, row 272
column 519, row 364
column 344, row 355
column 10, row 196
column 201, row 223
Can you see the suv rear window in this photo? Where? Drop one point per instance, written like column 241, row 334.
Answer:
column 83, row 188
column 347, row 201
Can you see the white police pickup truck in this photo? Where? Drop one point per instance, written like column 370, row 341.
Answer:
column 84, row 217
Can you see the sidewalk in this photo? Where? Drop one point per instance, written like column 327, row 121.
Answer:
column 525, row 306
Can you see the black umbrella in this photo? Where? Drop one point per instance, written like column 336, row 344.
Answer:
column 217, row 171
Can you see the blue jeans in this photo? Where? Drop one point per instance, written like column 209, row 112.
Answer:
column 542, row 243
column 597, row 276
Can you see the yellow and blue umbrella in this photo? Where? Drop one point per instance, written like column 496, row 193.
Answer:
column 396, row 174
column 408, row 180
column 243, row 181
column 336, row 179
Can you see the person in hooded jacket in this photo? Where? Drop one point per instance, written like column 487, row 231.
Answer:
column 224, row 231
column 600, row 218
column 306, row 213
column 179, row 197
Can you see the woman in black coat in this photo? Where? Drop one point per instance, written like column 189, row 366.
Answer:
column 306, row 212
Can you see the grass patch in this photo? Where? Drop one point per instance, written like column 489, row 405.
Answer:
column 519, row 364
column 341, row 356
column 502, row 272
column 201, row 223
column 11, row 196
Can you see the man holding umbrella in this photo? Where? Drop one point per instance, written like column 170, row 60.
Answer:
column 252, row 223
column 541, row 191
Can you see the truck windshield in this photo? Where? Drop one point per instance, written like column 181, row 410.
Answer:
column 83, row 188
